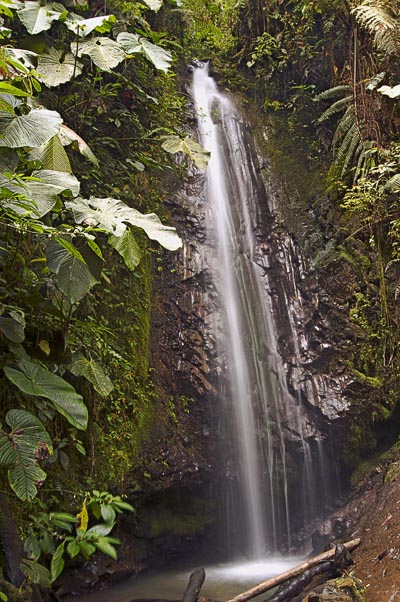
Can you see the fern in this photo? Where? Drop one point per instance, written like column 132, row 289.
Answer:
column 381, row 19
column 347, row 139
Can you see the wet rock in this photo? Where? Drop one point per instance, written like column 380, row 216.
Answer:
column 344, row 589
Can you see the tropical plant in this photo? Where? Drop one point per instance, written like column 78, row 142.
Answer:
column 381, row 19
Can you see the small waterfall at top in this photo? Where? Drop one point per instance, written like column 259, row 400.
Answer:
column 259, row 404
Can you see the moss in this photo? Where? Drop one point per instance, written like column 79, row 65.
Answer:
column 189, row 518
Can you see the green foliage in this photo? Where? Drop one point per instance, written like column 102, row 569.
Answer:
column 191, row 148
column 21, row 448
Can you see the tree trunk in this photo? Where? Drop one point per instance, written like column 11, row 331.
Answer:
column 193, row 588
column 10, row 543
column 263, row 587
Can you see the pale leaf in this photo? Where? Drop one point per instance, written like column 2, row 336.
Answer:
column 55, row 68
column 104, row 52
column 133, row 43
column 188, row 146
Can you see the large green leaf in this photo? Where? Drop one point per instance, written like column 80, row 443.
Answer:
column 34, row 379
column 55, row 67
column 74, row 276
column 43, row 192
column 133, row 43
column 113, row 215
column 57, row 562
column 33, row 129
column 22, row 59
column 104, row 52
column 127, row 247
column 174, row 144
column 20, row 449
column 12, row 328
column 84, row 27
column 50, row 184
column 25, row 479
column 37, row 18
column 94, row 373
column 104, row 546
column 52, row 155
column 6, row 88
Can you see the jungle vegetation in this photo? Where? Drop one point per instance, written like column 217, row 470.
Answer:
column 88, row 93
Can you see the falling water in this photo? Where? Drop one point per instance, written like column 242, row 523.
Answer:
column 259, row 401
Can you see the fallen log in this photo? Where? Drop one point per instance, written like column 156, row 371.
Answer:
column 193, row 588
column 263, row 587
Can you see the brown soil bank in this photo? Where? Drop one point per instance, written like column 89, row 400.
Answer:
column 373, row 514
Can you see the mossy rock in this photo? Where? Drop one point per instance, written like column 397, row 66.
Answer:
column 344, row 589
column 15, row 594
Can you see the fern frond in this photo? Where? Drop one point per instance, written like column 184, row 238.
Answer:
column 353, row 151
column 365, row 159
column 333, row 92
column 381, row 19
column 336, row 107
column 346, row 143
column 346, row 121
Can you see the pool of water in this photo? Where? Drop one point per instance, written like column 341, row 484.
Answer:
column 223, row 581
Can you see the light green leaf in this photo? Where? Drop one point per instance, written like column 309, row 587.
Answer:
column 6, row 88
column 154, row 5
column 67, row 136
column 174, row 144
column 23, row 60
column 33, row 129
column 57, row 562
column 15, row 4
column 37, row 18
column 83, row 27
column 87, row 549
column 128, row 248
column 34, row 379
column 51, row 184
column 74, row 277
column 55, row 67
column 94, row 373
column 104, row 546
column 133, row 43
column 104, row 52
column 73, row 549
column 52, row 155
column 113, row 215
column 101, row 529
column 107, row 513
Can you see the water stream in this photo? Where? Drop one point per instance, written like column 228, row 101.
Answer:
column 260, row 405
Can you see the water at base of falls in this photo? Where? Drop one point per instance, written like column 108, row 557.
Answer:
column 223, row 581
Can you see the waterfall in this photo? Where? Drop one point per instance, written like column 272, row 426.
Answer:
column 259, row 407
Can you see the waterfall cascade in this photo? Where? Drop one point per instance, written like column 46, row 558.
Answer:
column 260, row 411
